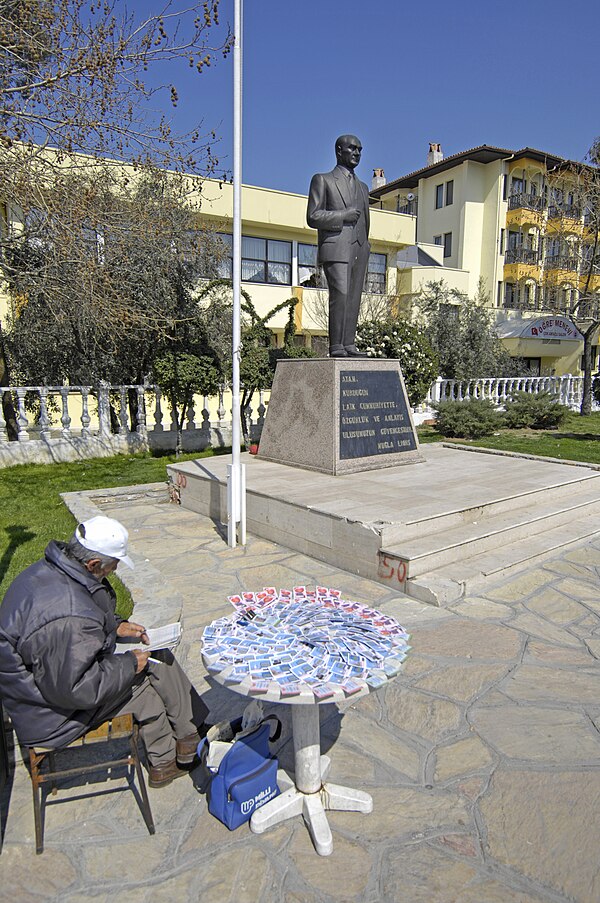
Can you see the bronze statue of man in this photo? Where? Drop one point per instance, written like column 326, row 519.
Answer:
column 338, row 207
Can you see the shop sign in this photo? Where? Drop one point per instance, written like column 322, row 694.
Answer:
column 552, row 328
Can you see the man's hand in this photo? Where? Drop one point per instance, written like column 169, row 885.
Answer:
column 135, row 631
column 351, row 215
column 142, row 659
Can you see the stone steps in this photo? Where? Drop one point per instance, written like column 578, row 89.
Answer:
column 581, row 485
column 442, row 545
column 431, row 530
column 441, row 586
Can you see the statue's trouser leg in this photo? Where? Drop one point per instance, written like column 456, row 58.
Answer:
column 357, row 270
column 337, row 275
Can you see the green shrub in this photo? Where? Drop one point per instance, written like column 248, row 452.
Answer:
column 469, row 419
column 536, row 411
column 401, row 341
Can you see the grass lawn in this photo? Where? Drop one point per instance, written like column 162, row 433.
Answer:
column 578, row 439
column 32, row 511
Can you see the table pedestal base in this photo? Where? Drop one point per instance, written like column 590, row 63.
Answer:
column 312, row 806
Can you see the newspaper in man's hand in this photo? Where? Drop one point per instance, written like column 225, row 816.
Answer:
column 167, row 637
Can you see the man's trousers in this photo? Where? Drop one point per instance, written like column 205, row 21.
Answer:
column 165, row 705
column 345, row 282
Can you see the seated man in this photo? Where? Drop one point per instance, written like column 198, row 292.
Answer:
column 59, row 674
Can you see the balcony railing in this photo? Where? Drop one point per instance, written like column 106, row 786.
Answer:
column 561, row 262
column 410, row 207
column 522, row 255
column 528, row 201
column 570, row 211
column 520, row 301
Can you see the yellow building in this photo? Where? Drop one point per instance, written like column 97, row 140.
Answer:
column 279, row 253
column 517, row 220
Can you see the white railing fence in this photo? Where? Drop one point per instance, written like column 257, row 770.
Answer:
column 61, row 423
column 568, row 389
column 65, row 423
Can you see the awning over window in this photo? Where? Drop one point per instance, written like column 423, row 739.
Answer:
column 541, row 328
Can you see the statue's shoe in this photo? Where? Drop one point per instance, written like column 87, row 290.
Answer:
column 352, row 351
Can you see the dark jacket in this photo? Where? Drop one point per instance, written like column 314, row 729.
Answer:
column 57, row 635
column 328, row 199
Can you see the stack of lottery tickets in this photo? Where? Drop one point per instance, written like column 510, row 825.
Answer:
column 301, row 643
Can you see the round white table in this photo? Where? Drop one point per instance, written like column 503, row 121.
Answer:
column 310, row 793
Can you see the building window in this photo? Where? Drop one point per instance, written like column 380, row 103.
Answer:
column 310, row 274
column 215, row 257
column 266, row 260
column 499, row 295
column 447, row 244
column 511, row 294
column 439, row 196
column 376, row 272
column 502, row 232
column 533, row 365
column 449, row 192
column 437, row 239
column 504, row 186
column 263, row 260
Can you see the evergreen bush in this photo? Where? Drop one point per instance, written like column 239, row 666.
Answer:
column 536, row 411
column 473, row 418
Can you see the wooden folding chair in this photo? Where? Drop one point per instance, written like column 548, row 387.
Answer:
column 118, row 728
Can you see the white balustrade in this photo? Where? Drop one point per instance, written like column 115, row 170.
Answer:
column 55, row 406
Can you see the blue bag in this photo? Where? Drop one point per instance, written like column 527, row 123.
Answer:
column 246, row 778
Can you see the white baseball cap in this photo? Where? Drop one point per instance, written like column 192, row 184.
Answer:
column 105, row 536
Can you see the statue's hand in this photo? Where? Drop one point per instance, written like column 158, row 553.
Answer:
column 351, row 215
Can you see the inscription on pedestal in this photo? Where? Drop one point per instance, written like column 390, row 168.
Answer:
column 374, row 417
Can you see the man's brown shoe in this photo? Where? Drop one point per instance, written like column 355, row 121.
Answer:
column 187, row 748
column 161, row 775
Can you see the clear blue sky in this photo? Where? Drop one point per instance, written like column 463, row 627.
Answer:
column 398, row 75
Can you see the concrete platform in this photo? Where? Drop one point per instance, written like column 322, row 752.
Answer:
column 482, row 757
column 434, row 530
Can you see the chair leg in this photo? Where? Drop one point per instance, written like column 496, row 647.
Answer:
column 34, row 762
column 52, row 761
column 145, row 807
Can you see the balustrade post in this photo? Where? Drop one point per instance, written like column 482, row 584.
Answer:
column 85, row 415
column 262, row 409
column 65, row 418
column 191, row 416
column 436, row 390
column 103, row 408
column 123, row 419
column 140, row 414
column 205, row 414
column 158, row 414
column 44, row 418
column 221, row 408
column 3, row 430
column 22, row 422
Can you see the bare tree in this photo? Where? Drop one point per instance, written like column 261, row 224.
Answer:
column 102, row 274
column 82, row 81
column 74, row 74
column 573, row 253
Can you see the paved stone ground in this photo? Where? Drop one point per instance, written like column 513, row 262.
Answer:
column 482, row 757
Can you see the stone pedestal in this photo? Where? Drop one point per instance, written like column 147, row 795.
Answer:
column 339, row 415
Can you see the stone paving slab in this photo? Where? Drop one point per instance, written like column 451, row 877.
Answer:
column 482, row 757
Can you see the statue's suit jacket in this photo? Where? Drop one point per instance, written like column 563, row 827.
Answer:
column 328, row 199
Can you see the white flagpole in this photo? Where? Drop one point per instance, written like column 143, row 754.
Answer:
column 236, row 507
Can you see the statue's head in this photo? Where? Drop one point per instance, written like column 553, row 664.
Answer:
column 348, row 150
